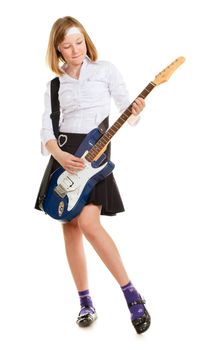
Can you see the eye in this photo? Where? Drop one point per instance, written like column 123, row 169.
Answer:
column 80, row 42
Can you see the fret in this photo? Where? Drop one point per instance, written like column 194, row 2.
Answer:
column 124, row 117
column 128, row 112
column 101, row 144
column 107, row 134
column 117, row 122
column 111, row 132
column 105, row 137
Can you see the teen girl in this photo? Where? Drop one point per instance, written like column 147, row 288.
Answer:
column 86, row 88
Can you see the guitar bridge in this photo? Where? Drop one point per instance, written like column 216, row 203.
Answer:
column 60, row 190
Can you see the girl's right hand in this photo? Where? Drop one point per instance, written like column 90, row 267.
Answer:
column 69, row 162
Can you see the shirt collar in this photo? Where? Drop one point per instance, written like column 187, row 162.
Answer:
column 86, row 60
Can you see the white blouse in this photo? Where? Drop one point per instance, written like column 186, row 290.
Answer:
column 85, row 102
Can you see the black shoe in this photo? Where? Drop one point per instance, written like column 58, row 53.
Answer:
column 88, row 318
column 141, row 324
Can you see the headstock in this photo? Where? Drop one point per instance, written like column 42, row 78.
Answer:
column 165, row 74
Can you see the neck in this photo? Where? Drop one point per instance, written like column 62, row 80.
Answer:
column 73, row 70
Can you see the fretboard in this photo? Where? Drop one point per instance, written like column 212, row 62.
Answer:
column 105, row 139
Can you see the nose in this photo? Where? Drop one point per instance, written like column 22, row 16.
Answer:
column 74, row 49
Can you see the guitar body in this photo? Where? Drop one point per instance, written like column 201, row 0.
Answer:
column 68, row 193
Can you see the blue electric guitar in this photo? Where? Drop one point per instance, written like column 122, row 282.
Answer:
column 68, row 193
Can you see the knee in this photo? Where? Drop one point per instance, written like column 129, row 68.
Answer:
column 89, row 227
column 71, row 230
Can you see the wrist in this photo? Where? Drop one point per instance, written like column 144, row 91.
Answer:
column 57, row 153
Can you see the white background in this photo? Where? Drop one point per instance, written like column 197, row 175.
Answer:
column 167, row 169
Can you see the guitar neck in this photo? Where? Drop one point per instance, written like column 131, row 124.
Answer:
column 106, row 138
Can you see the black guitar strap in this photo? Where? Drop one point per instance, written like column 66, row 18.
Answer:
column 55, row 105
column 55, row 114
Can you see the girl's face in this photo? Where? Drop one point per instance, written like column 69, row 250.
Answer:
column 73, row 49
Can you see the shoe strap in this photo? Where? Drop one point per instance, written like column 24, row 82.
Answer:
column 137, row 302
column 88, row 307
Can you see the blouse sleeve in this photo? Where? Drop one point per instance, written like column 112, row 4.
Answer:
column 46, row 132
column 120, row 93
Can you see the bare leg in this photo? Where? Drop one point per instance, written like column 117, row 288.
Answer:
column 89, row 222
column 75, row 253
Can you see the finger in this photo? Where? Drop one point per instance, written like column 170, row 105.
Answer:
column 137, row 105
column 77, row 163
column 72, row 160
column 134, row 112
column 70, row 170
column 78, row 159
column 140, row 101
column 136, row 109
column 74, row 169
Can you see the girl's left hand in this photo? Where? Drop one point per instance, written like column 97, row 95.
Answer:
column 138, row 106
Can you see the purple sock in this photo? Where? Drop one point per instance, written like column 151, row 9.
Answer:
column 86, row 302
column 131, row 295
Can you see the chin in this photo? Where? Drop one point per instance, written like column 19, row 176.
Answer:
column 78, row 59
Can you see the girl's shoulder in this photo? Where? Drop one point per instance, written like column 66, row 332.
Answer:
column 106, row 66
column 104, row 63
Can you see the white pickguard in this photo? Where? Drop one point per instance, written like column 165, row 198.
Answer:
column 74, row 183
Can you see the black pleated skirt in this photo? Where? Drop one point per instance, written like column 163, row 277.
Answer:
column 104, row 193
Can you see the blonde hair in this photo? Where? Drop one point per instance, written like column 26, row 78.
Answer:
column 57, row 34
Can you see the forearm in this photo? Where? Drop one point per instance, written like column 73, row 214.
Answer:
column 53, row 148
column 67, row 160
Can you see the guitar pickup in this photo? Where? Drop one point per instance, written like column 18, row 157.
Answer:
column 60, row 190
